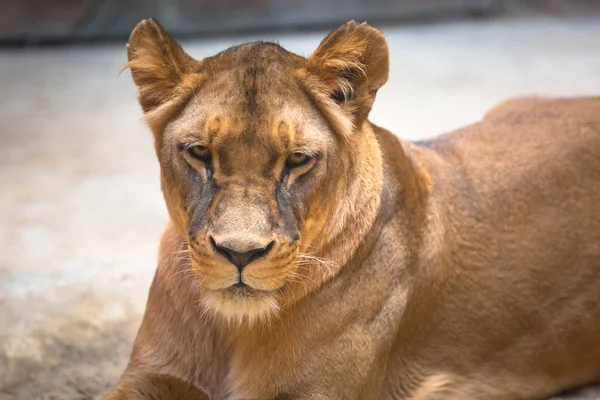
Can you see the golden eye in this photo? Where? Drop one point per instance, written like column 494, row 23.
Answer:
column 198, row 151
column 297, row 159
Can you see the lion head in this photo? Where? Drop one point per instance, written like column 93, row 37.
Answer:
column 270, row 170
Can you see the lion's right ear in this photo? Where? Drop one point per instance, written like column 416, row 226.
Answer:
column 159, row 66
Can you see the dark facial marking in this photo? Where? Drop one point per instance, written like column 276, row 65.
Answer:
column 200, row 195
column 268, row 169
column 285, row 201
column 251, row 88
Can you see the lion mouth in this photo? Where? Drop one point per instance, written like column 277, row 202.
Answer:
column 240, row 285
column 241, row 290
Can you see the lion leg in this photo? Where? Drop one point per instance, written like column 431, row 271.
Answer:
column 154, row 387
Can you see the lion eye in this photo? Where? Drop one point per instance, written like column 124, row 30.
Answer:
column 198, row 151
column 297, row 159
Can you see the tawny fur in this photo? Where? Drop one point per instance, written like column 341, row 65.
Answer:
column 464, row 267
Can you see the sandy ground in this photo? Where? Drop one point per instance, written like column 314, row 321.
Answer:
column 80, row 206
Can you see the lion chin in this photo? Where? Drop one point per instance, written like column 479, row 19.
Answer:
column 241, row 305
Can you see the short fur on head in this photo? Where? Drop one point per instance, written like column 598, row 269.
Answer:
column 252, row 107
column 463, row 267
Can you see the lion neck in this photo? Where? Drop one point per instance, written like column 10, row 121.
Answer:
column 385, row 172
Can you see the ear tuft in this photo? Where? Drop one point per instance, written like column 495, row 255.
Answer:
column 351, row 64
column 158, row 65
column 338, row 96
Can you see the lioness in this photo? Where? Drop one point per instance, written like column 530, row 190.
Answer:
column 313, row 255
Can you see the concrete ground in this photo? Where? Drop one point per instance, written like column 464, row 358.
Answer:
column 80, row 207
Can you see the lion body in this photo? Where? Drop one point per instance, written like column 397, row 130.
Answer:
column 509, row 267
column 478, row 277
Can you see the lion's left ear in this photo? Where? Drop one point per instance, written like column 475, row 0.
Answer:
column 160, row 68
column 350, row 65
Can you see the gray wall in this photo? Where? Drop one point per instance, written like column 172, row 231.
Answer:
column 30, row 21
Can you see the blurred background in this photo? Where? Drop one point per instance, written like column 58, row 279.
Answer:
column 81, row 211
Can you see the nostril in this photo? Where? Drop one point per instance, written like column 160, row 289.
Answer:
column 241, row 259
column 224, row 251
column 258, row 253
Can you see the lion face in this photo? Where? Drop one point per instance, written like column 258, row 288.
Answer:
column 248, row 170
column 252, row 160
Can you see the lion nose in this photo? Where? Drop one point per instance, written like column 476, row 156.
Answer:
column 240, row 259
